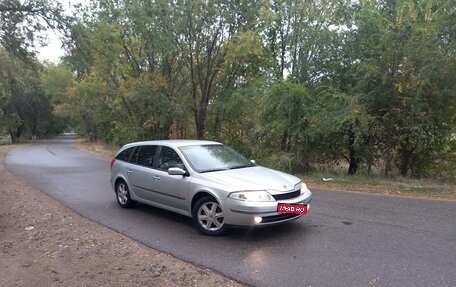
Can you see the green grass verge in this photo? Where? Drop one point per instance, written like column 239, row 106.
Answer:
column 423, row 188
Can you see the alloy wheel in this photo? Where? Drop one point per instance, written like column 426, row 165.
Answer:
column 210, row 216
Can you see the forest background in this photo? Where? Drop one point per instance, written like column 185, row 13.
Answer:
column 367, row 86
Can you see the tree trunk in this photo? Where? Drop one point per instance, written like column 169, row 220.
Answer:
column 388, row 156
column 353, row 167
column 285, row 142
column 353, row 159
column 173, row 130
column 16, row 134
column 200, row 127
column 406, row 160
column 370, row 156
column 14, row 139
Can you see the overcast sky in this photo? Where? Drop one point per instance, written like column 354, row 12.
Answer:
column 53, row 51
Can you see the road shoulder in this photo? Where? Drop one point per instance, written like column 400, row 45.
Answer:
column 43, row 243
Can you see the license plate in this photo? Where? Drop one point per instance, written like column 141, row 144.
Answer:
column 294, row 208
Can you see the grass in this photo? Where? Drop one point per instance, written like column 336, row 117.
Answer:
column 420, row 188
column 98, row 148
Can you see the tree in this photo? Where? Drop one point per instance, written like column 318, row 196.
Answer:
column 310, row 82
column 21, row 22
column 24, row 107
column 302, row 37
column 404, row 71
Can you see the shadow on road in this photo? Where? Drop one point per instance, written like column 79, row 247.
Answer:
column 184, row 225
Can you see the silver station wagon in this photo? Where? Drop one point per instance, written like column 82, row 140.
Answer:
column 207, row 181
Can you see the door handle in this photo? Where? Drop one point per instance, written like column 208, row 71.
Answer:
column 156, row 177
column 129, row 171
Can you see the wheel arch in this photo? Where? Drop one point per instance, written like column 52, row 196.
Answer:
column 119, row 179
column 199, row 195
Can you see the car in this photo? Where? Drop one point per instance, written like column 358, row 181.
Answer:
column 207, row 181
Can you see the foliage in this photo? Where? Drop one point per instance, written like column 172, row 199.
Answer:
column 25, row 110
column 295, row 84
column 21, row 22
column 316, row 125
column 407, row 72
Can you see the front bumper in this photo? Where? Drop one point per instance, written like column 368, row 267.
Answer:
column 242, row 213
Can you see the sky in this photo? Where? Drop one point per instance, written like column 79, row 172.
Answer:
column 53, row 51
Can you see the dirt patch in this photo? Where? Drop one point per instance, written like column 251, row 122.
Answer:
column 98, row 148
column 43, row 243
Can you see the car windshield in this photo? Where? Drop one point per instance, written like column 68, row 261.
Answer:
column 207, row 158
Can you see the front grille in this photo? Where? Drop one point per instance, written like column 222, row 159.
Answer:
column 285, row 196
column 279, row 217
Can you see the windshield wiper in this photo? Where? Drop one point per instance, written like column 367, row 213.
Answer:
column 214, row 169
column 241, row 166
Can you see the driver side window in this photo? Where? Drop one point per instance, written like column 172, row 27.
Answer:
column 169, row 158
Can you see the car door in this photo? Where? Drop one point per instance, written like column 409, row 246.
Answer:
column 141, row 174
column 172, row 189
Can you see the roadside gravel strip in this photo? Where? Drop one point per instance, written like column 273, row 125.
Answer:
column 43, row 243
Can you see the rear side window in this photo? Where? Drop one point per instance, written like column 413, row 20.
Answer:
column 146, row 155
column 125, row 155
column 135, row 155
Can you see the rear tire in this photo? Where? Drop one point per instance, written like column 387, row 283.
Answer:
column 123, row 195
column 208, row 217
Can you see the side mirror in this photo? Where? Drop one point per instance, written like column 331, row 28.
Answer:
column 176, row 171
column 253, row 161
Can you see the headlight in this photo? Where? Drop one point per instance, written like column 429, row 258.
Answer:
column 255, row 196
column 304, row 188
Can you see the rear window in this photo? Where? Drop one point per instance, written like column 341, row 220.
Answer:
column 146, row 155
column 125, row 155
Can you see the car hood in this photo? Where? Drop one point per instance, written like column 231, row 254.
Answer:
column 254, row 178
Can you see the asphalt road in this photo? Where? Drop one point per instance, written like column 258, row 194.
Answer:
column 346, row 239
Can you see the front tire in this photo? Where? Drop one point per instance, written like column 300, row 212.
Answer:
column 208, row 216
column 123, row 195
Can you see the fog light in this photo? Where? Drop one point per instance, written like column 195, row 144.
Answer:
column 257, row 219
